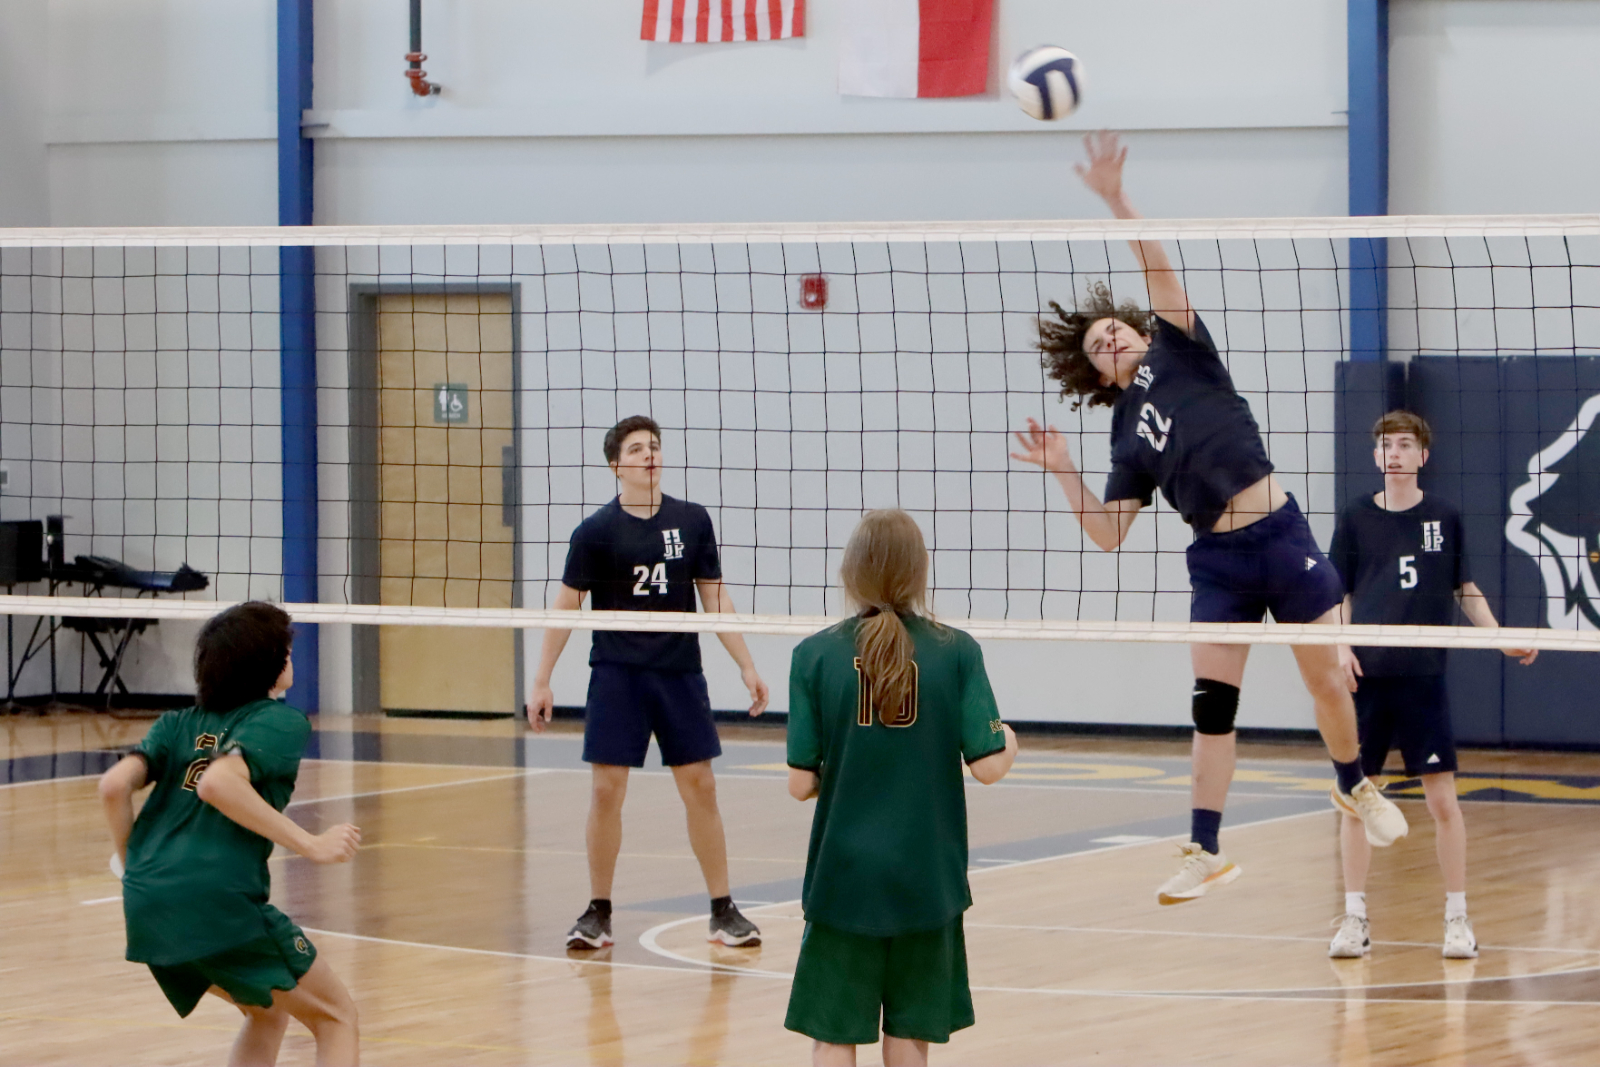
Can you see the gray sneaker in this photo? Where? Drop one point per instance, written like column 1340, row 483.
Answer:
column 731, row 928
column 592, row 930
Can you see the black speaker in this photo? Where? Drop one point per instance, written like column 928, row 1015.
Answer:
column 21, row 552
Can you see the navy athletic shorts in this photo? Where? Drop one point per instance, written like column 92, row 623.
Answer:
column 1273, row 565
column 628, row 704
column 1409, row 712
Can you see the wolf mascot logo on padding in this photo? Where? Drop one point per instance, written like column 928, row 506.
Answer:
column 1555, row 519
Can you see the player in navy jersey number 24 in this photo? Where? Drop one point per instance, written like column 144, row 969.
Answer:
column 1178, row 424
column 646, row 551
column 1404, row 559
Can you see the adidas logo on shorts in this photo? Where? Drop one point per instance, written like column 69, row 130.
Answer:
column 1434, row 758
column 1310, row 563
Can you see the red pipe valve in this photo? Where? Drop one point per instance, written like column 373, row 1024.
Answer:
column 419, row 77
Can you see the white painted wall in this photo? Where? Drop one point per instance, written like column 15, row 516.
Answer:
column 1492, row 106
column 24, row 197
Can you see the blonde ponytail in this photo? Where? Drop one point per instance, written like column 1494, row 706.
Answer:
column 885, row 572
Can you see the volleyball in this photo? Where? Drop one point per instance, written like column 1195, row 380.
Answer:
column 1047, row 82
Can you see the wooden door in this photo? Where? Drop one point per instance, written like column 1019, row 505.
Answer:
column 445, row 428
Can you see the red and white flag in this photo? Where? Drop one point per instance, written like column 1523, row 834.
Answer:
column 915, row 47
column 706, row 21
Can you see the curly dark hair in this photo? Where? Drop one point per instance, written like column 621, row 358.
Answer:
column 240, row 654
column 1062, row 344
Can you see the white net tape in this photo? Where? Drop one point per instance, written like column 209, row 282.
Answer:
column 1237, row 633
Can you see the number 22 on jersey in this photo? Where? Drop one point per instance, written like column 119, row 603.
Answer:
column 643, row 575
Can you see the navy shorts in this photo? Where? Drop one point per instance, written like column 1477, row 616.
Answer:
column 1273, row 565
column 1409, row 712
column 628, row 704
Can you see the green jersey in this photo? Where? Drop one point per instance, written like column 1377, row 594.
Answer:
column 888, row 849
column 196, row 881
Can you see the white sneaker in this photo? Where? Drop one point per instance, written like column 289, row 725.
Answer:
column 1459, row 944
column 1382, row 821
column 1353, row 940
column 1201, row 871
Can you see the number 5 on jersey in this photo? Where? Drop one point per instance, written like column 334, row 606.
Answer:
column 1408, row 572
column 644, row 576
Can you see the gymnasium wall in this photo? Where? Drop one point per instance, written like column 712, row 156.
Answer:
column 1492, row 106
column 24, row 194
column 159, row 112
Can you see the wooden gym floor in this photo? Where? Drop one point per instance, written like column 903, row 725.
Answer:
column 447, row 927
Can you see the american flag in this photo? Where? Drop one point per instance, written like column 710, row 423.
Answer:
column 722, row 20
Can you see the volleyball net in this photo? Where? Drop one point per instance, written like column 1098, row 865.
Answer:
column 801, row 374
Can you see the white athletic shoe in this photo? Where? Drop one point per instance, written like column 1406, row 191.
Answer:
column 1200, row 872
column 1382, row 821
column 1353, row 940
column 1459, row 944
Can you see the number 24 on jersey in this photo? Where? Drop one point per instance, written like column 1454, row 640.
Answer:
column 643, row 575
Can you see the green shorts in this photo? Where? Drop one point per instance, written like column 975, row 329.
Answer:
column 844, row 981
column 248, row 973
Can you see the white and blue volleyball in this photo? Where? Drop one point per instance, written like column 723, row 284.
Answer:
column 1047, row 82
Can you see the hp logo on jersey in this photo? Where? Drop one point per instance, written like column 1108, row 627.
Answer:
column 1555, row 519
column 672, row 546
column 1432, row 537
column 1145, row 377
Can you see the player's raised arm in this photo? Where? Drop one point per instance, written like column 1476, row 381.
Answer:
column 714, row 598
column 1106, row 524
column 1103, row 175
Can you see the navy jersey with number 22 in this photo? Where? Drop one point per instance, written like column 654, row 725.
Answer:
column 1182, row 427
column 627, row 563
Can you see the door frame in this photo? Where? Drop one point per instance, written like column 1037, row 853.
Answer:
column 364, row 494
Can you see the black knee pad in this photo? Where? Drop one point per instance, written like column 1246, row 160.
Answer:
column 1216, row 705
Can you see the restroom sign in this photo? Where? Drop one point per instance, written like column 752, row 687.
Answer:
column 450, row 402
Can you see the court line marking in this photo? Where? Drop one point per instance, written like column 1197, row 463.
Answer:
column 531, row 956
column 684, row 856
column 529, row 773
column 100, row 900
column 649, row 939
column 1255, row 937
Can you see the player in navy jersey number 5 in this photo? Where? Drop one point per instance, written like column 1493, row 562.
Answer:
column 646, row 551
column 1178, row 424
column 1403, row 556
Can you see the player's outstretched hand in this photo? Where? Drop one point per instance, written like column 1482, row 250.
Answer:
column 1523, row 656
column 1103, row 175
column 758, row 691
column 1043, row 447
column 334, row 845
column 1350, row 666
column 540, row 707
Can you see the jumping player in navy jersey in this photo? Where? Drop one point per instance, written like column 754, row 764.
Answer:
column 1403, row 557
column 646, row 551
column 1178, row 424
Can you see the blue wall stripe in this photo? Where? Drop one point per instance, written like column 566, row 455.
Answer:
column 297, row 306
column 1368, row 58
